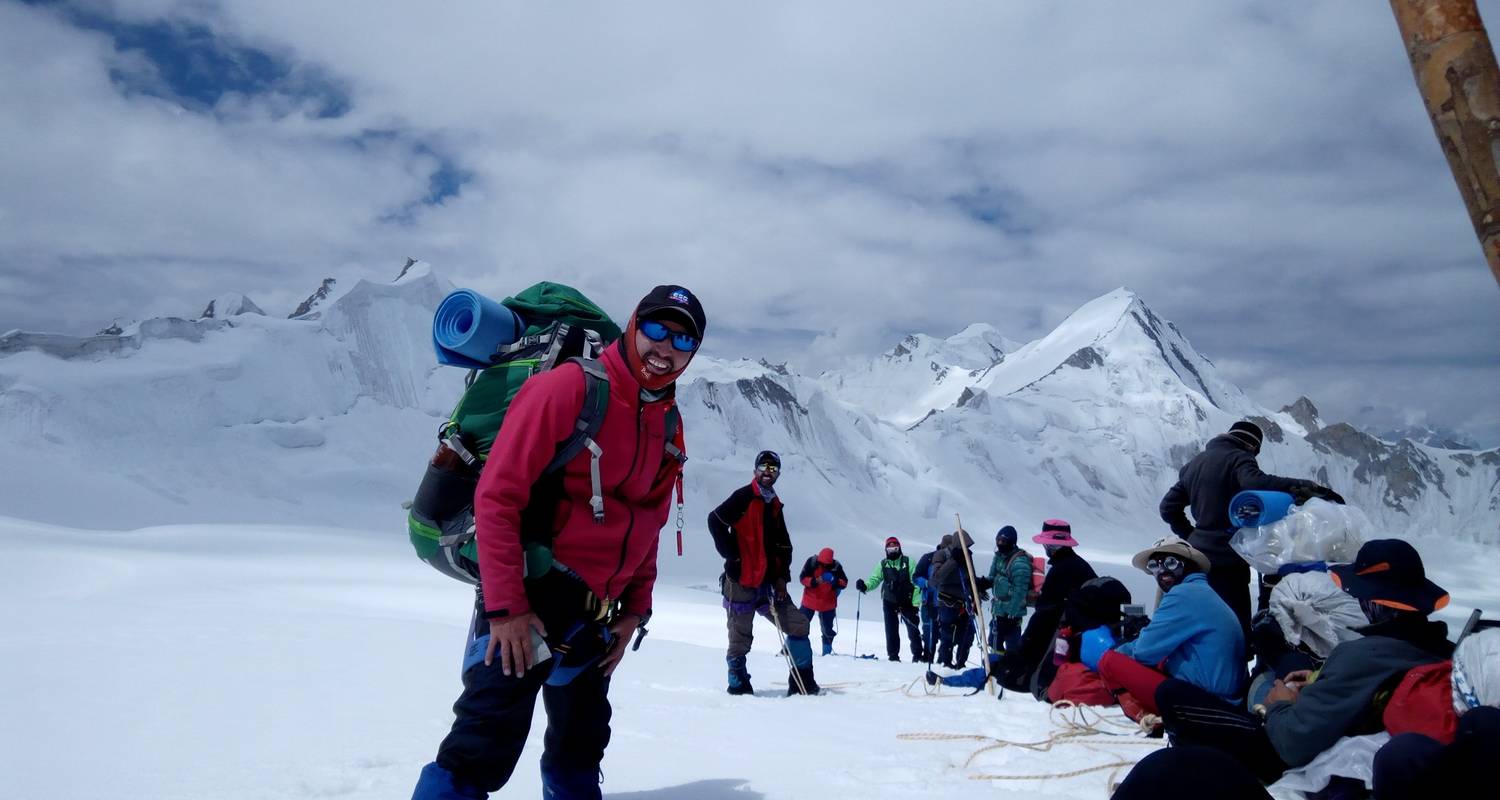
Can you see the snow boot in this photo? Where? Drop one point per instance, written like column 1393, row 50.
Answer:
column 827, row 647
column 894, row 658
column 436, row 783
column 807, row 684
column 739, row 678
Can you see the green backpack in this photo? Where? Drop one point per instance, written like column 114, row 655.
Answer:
column 562, row 325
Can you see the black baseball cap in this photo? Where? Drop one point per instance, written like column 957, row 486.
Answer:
column 1389, row 572
column 676, row 301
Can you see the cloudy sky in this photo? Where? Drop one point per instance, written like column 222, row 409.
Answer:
column 827, row 176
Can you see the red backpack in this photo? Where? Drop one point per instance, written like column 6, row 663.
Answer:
column 1038, row 575
column 1423, row 703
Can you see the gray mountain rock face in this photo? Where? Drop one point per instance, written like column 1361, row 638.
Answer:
column 1305, row 413
column 1407, row 471
column 310, row 306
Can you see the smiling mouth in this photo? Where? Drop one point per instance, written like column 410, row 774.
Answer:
column 660, row 366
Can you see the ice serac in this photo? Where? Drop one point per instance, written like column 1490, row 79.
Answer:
column 386, row 333
column 240, row 419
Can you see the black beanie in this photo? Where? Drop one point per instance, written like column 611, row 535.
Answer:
column 1247, row 432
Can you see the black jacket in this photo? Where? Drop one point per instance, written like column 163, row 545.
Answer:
column 1068, row 571
column 778, row 543
column 923, row 569
column 1208, row 482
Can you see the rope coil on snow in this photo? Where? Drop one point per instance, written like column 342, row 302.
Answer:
column 1074, row 725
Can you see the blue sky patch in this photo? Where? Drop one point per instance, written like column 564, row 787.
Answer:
column 190, row 64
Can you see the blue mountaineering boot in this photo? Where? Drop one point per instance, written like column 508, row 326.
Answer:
column 739, row 678
column 436, row 783
column 800, row 679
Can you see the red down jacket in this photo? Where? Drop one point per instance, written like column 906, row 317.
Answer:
column 818, row 594
column 616, row 558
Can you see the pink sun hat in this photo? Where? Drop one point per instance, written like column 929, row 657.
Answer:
column 1056, row 532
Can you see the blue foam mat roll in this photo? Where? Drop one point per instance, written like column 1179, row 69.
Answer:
column 468, row 327
column 1254, row 509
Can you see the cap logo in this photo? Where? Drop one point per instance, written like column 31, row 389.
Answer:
column 1383, row 566
column 678, row 296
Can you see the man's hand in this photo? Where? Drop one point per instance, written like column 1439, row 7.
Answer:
column 512, row 635
column 781, row 594
column 622, row 629
column 1283, row 693
column 860, row 585
column 1298, row 678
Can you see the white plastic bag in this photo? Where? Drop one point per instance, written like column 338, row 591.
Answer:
column 1316, row 531
column 1313, row 611
column 1349, row 757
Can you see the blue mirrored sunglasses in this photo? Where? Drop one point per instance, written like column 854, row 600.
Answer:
column 656, row 332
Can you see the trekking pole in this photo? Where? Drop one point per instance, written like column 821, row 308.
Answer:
column 859, row 601
column 980, row 632
column 790, row 665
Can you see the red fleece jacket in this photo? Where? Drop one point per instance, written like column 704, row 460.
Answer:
column 617, row 559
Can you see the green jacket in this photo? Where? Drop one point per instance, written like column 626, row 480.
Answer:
column 893, row 568
column 1010, row 580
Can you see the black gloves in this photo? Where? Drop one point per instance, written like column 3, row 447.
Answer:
column 1330, row 495
column 860, row 585
column 1309, row 490
column 985, row 584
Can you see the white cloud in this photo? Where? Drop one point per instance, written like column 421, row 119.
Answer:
column 1263, row 174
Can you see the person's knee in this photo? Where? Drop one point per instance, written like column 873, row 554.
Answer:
column 1171, row 693
column 1403, row 764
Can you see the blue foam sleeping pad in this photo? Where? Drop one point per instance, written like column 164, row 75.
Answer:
column 468, row 327
column 1254, row 509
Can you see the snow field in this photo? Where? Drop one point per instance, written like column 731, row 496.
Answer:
column 286, row 662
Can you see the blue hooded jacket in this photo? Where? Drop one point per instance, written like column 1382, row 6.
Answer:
column 1198, row 636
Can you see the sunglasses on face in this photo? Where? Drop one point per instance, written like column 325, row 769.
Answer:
column 769, row 469
column 1167, row 564
column 656, row 332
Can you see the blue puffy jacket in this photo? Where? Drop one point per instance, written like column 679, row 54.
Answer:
column 1198, row 636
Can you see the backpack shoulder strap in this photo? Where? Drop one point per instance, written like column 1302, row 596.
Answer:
column 590, row 420
column 674, row 425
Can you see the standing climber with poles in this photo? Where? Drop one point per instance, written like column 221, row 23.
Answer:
column 898, row 598
column 750, row 532
column 961, row 611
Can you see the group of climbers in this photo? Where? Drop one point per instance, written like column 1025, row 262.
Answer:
column 1369, row 658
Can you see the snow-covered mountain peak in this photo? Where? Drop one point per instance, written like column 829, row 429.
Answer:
column 230, row 304
column 413, row 271
column 321, row 297
column 1138, row 351
column 1305, row 413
